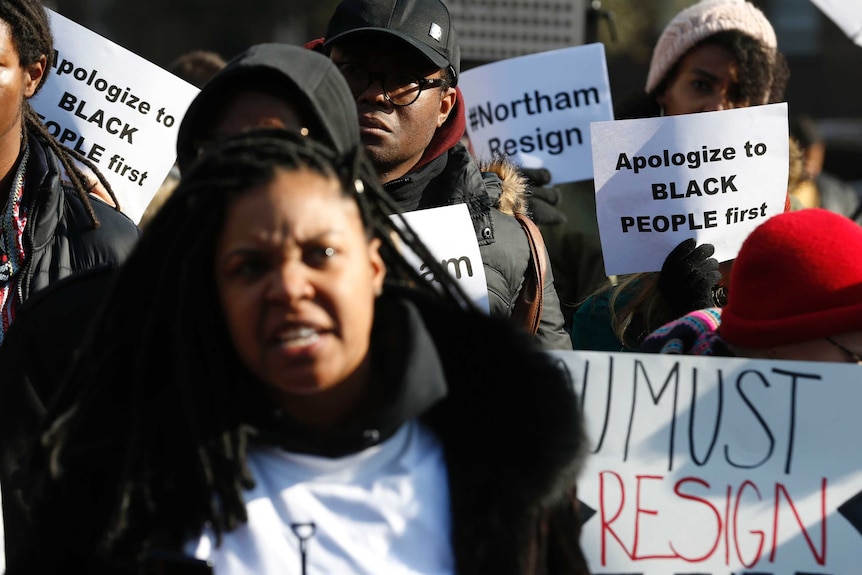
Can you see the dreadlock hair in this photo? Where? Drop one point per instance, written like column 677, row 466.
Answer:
column 31, row 34
column 149, row 434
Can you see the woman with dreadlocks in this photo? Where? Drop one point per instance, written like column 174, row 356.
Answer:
column 53, row 233
column 269, row 404
column 48, row 230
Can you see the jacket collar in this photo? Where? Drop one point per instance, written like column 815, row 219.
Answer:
column 42, row 185
column 404, row 362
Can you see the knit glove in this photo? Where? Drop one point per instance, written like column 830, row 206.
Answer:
column 542, row 199
column 688, row 276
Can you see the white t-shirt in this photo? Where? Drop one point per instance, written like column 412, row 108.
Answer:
column 382, row 510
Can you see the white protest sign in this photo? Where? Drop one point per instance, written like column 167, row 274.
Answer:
column 448, row 234
column 713, row 176
column 719, row 466
column 538, row 108
column 114, row 107
column 846, row 14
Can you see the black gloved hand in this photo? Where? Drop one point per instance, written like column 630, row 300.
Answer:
column 542, row 199
column 688, row 276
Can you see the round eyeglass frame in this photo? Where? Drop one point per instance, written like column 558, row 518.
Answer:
column 390, row 82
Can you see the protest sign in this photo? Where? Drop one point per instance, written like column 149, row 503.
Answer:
column 119, row 110
column 846, row 14
column 538, row 108
column 448, row 234
column 709, row 466
column 712, row 176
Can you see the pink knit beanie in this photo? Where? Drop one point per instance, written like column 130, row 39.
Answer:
column 797, row 277
column 700, row 21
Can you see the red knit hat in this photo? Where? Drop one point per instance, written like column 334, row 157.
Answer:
column 797, row 277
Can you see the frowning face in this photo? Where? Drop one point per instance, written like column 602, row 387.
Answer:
column 297, row 278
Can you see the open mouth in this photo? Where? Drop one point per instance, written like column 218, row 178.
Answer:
column 298, row 337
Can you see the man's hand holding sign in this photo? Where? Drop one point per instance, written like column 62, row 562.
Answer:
column 712, row 176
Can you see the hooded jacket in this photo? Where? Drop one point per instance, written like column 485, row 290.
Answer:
column 303, row 77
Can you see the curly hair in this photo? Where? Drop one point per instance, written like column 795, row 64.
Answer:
column 149, row 434
column 31, row 35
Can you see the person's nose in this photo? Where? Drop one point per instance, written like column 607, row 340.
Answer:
column 291, row 283
column 716, row 104
column 374, row 93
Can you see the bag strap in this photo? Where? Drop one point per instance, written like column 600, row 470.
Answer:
column 527, row 310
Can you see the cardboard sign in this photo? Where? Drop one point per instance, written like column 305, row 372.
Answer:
column 719, row 465
column 712, row 176
column 119, row 110
column 846, row 14
column 448, row 234
column 538, row 108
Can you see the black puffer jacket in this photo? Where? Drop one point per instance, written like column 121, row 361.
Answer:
column 59, row 234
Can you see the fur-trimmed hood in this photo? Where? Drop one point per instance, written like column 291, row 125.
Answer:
column 512, row 192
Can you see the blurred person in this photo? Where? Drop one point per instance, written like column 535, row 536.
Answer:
column 290, row 396
column 196, row 67
column 53, row 233
column 271, row 86
column 795, row 293
column 401, row 59
column 824, row 190
column 713, row 55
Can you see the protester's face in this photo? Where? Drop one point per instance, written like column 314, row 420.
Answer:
column 395, row 137
column 17, row 83
column 705, row 82
column 820, row 349
column 297, row 278
column 250, row 109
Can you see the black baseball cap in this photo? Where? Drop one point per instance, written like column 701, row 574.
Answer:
column 423, row 24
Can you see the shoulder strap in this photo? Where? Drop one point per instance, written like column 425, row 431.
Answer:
column 528, row 307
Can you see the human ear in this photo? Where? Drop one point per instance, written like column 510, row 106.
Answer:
column 33, row 75
column 378, row 268
column 447, row 103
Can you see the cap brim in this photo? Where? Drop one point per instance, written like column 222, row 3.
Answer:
column 429, row 53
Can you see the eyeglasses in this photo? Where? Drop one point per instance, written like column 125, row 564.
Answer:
column 850, row 353
column 399, row 88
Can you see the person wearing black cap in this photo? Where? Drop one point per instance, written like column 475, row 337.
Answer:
column 401, row 59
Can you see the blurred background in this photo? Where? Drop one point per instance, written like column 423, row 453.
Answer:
column 825, row 64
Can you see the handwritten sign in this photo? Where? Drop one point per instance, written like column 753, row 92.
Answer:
column 713, row 176
column 538, row 108
column 448, row 234
column 720, row 465
column 119, row 110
